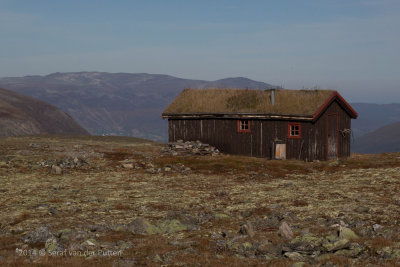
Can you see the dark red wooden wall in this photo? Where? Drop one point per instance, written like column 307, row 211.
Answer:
column 223, row 134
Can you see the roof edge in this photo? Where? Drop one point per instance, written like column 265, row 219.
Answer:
column 353, row 114
column 236, row 116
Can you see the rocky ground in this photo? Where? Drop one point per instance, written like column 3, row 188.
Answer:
column 114, row 201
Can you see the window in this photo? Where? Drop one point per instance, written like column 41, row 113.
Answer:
column 243, row 126
column 294, row 130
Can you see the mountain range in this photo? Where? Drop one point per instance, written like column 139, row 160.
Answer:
column 23, row 115
column 116, row 103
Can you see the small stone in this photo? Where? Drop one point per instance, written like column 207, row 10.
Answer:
column 54, row 211
column 90, row 243
column 285, row 231
column 247, row 229
column 221, row 216
column 151, row 170
column 334, row 163
column 247, row 245
column 127, row 165
column 56, row 169
column 376, row 227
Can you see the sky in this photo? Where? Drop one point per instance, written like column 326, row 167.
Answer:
column 348, row 45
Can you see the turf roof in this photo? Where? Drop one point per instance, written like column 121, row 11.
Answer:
column 236, row 101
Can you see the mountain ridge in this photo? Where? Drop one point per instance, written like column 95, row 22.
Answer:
column 23, row 115
column 383, row 139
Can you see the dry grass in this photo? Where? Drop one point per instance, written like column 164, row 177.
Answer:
column 24, row 216
column 248, row 101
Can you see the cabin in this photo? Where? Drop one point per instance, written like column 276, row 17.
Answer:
column 277, row 124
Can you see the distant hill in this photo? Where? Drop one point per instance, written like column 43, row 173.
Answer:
column 116, row 103
column 374, row 116
column 22, row 115
column 384, row 139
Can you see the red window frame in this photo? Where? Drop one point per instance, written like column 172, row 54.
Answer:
column 241, row 129
column 291, row 131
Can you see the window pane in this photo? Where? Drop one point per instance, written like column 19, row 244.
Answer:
column 244, row 125
column 294, row 130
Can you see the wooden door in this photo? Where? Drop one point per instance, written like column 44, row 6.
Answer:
column 280, row 151
column 332, row 136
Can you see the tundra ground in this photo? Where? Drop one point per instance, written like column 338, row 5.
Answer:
column 115, row 201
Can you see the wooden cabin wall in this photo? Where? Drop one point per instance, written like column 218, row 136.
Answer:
column 344, row 122
column 223, row 134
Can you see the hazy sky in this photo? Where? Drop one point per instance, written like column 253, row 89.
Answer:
column 348, row 45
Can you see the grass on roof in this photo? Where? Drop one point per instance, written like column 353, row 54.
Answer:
column 294, row 102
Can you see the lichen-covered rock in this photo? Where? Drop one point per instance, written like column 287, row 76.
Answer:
column 124, row 245
column 69, row 235
column 247, row 246
column 221, row 216
column 389, row 253
column 120, row 228
column 294, row 256
column 172, row 226
column 52, row 245
column 143, row 227
column 306, row 243
column 347, row 233
column 40, row 235
column 352, row 251
column 336, row 245
column 267, row 248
